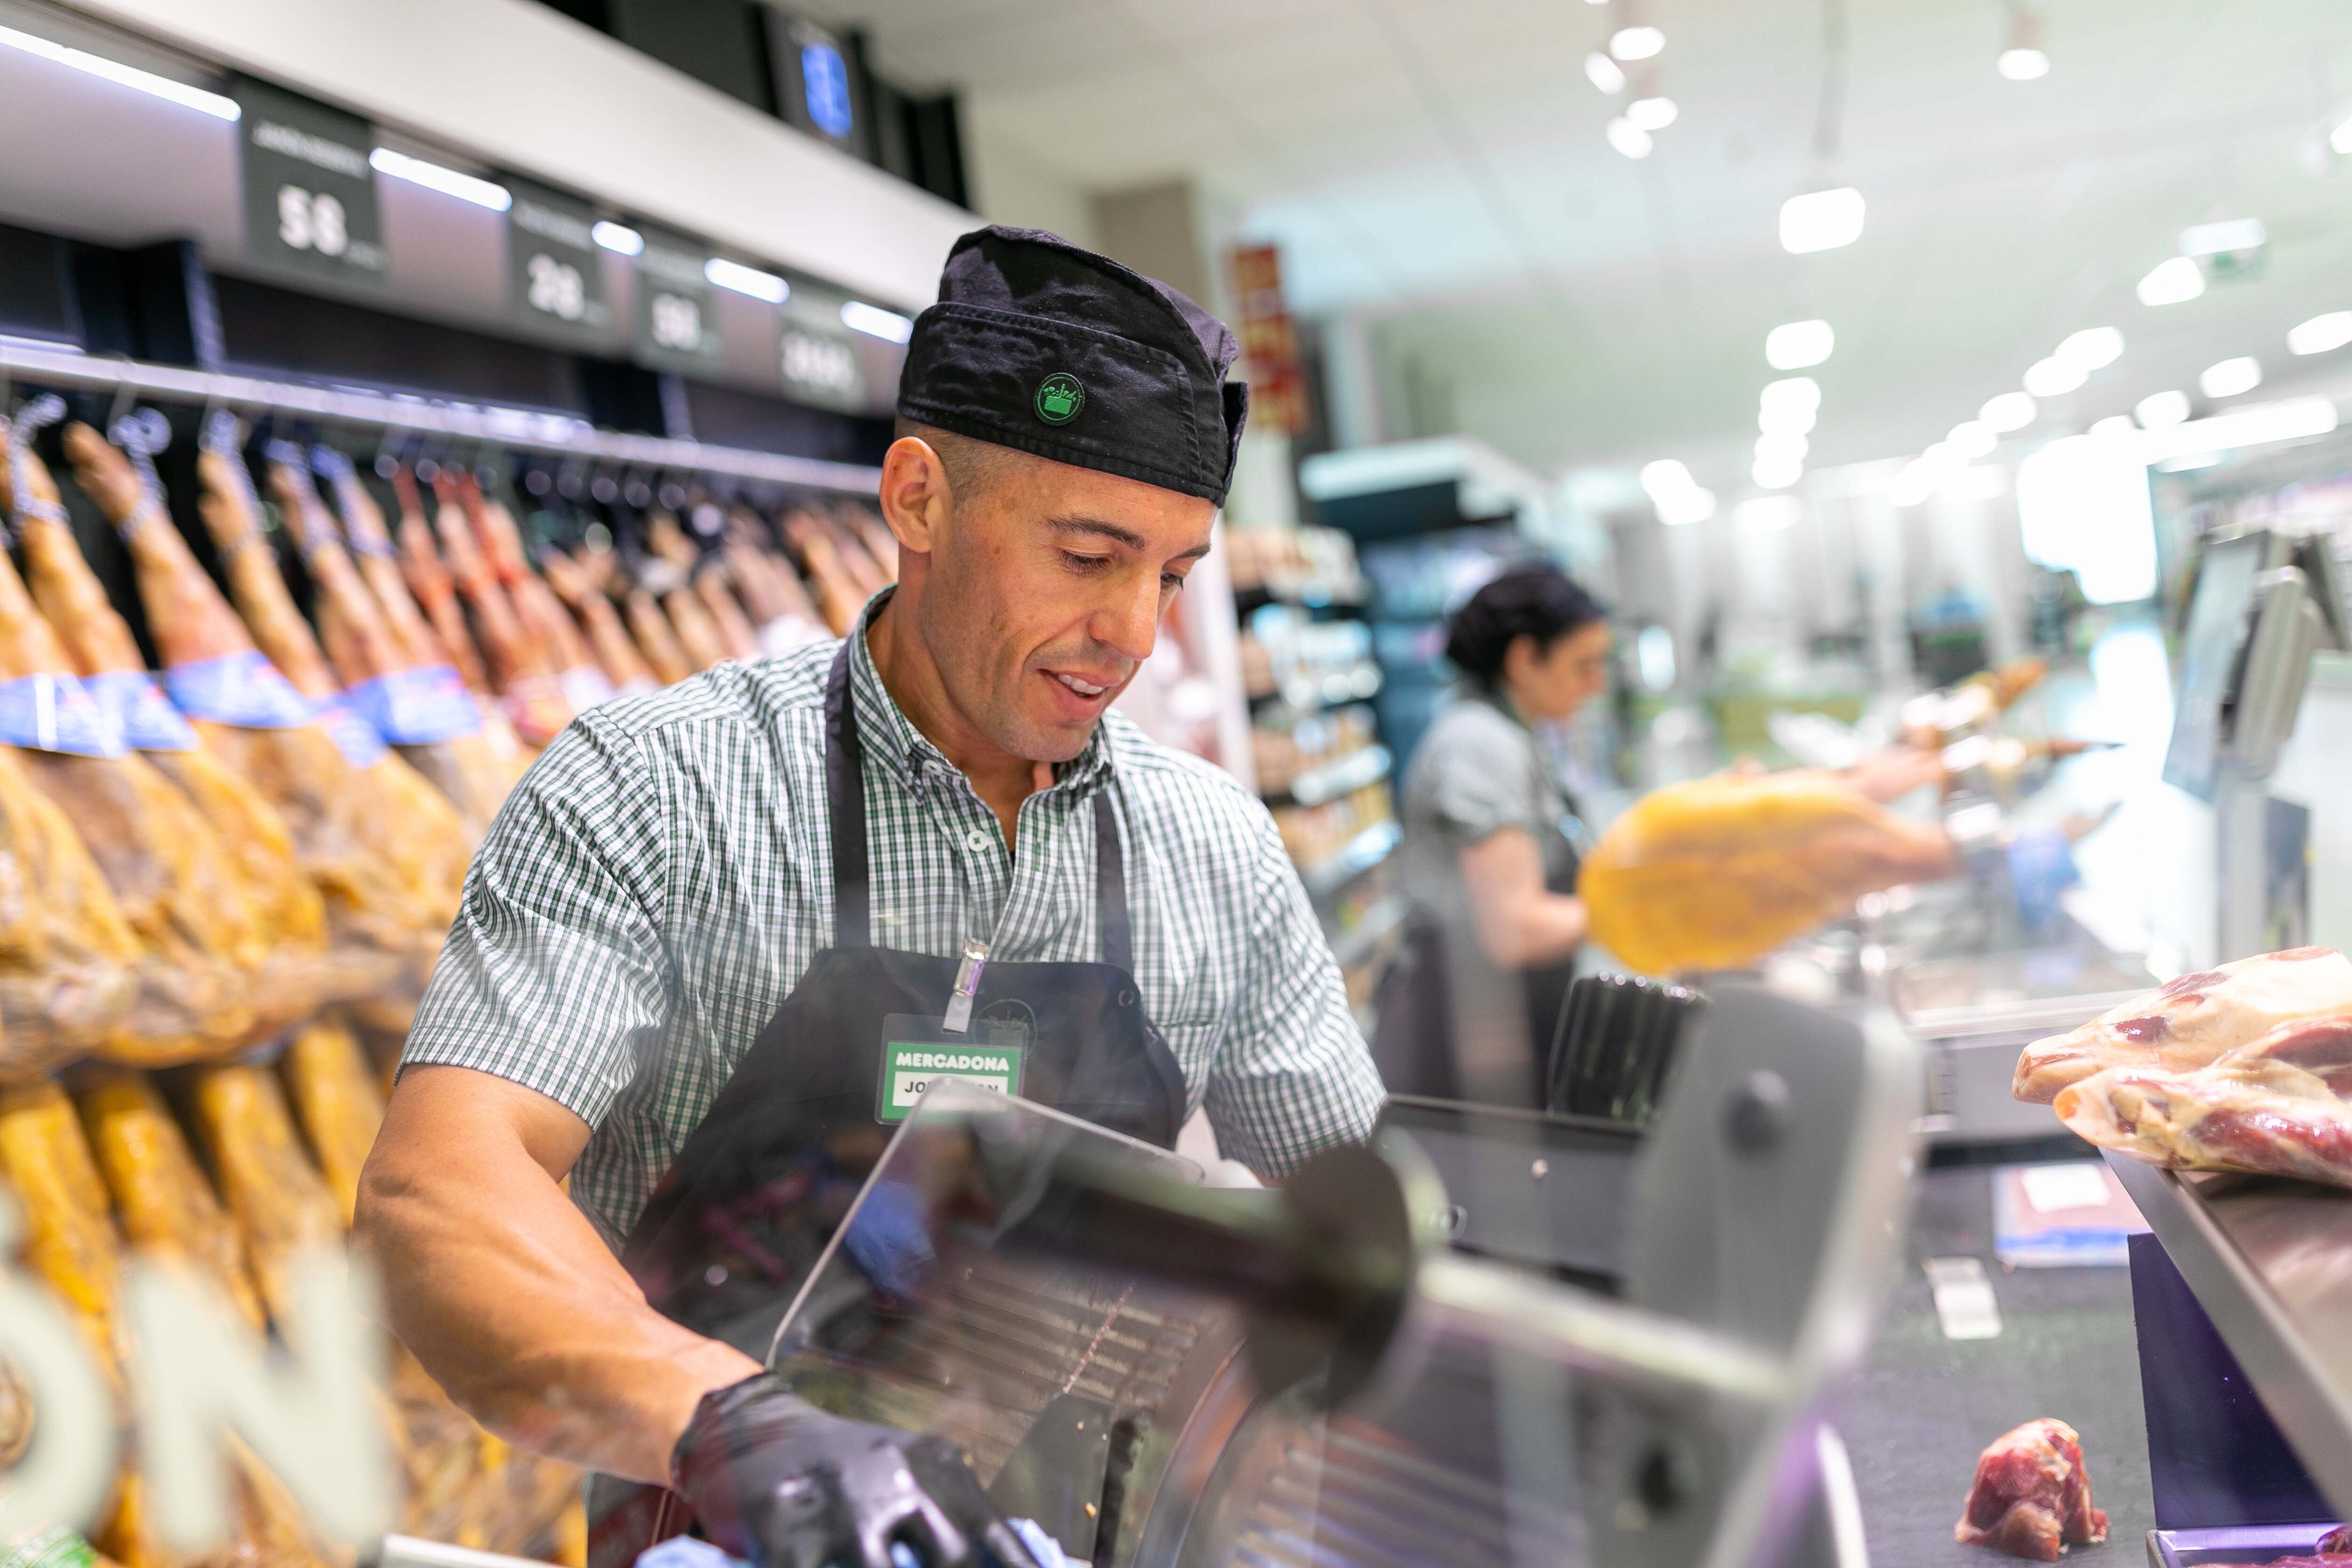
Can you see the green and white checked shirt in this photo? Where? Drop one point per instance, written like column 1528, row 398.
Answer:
column 661, row 877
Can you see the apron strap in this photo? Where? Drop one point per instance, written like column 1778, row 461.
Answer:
column 1110, row 886
column 844, row 799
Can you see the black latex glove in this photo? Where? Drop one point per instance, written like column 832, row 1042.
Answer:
column 783, row 1484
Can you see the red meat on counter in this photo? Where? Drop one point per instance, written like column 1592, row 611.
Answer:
column 2033, row 1496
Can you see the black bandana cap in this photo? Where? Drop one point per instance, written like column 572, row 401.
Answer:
column 1038, row 346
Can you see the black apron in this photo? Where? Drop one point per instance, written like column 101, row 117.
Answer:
column 747, row 1207
column 1413, row 1036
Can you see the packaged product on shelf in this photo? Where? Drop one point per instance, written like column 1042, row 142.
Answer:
column 423, row 710
column 380, row 861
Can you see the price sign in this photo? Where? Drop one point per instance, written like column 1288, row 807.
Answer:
column 817, row 357
column 678, row 313
column 555, row 271
column 309, row 195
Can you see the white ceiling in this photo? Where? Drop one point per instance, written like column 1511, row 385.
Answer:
column 1438, row 166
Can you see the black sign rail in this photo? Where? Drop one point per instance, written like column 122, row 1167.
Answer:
column 555, row 270
column 310, row 195
column 678, row 310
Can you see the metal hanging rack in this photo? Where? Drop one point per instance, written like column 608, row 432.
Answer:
column 518, row 429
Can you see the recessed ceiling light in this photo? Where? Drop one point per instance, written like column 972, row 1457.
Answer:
column 1604, row 73
column 148, row 82
column 2173, row 282
column 1652, row 113
column 1971, row 439
column 2023, row 65
column 2115, row 425
column 1786, row 448
column 1667, row 476
column 876, row 321
column 2160, row 409
column 1776, row 473
column 1767, row 514
column 1981, row 482
column 1821, row 220
column 1636, row 43
column 2228, row 377
column 1629, row 138
column 745, row 280
column 1797, row 346
column 1790, row 391
column 2341, row 137
column 433, row 176
column 2054, row 377
column 2093, row 348
column 619, row 237
column 2321, row 334
column 2008, row 411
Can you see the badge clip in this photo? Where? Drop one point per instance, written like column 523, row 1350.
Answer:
column 967, row 985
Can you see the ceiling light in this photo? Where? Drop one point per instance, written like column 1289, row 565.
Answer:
column 1604, row 73
column 1652, row 113
column 2173, row 282
column 747, row 281
column 876, row 321
column 1629, row 138
column 1791, row 448
column 1777, row 473
column 1912, row 485
column 1982, row 482
column 2228, row 377
column 2220, row 238
column 2007, row 412
column 433, row 176
column 2115, row 425
column 2023, row 65
column 2093, row 348
column 1940, row 459
column 1821, row 220
column 1636, row 43
column 1794, row 345
column 2054, row 377
column 2192, row 461
column 2341, row 138
column 1767, row 514
column 2160, row 409
column 1971, row 439
column 2293, row 420
column 148, row 82
column 1790, row 391
column 2321, row 334
column 618, row 236
column 1665, row 477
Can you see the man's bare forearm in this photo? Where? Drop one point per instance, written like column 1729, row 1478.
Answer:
column 504, row 1292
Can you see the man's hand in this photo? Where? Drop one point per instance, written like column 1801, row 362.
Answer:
column 779, row 1482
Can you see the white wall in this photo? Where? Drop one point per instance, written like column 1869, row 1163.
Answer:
column 1009, row 183
column 522, row 87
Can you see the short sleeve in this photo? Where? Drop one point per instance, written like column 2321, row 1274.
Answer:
column 1293, row 1075
column 554, row 975
column 1483, row 776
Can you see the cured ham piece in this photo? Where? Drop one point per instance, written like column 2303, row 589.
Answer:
column 608, row 639
column 522, row 671
column 2191, row 1021
column 536, row 605
column 2032, row 1497
column 430, row 584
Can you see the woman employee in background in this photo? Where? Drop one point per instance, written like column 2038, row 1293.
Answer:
column 1467, row 1010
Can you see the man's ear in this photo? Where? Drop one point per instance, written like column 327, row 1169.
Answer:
column 917, row 498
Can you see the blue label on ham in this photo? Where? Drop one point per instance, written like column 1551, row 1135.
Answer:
column 139, row 711
column 357, row 739
column 417, row 707
column 54, row 713
column 240, row 689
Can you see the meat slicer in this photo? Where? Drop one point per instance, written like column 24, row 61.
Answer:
column 1164, row 1375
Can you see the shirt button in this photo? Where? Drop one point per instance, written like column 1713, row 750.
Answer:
column 976, row 841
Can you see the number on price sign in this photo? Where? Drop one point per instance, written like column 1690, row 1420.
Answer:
column 557, row 287
column 677, row 322
column 312, row 220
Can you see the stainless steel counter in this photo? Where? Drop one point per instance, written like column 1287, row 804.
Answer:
column 2271, row 1262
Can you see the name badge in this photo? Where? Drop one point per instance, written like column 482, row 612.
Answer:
column 918, row 1052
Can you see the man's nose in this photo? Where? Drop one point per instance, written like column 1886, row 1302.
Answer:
column 1130, row 625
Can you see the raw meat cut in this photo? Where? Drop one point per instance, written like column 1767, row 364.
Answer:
column 1714, row 873
column 2032, row 1497
column 2192, row 1020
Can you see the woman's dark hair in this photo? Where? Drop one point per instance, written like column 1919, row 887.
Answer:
column 1539, row 602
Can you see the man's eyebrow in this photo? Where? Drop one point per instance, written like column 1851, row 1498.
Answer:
column 1097, row 529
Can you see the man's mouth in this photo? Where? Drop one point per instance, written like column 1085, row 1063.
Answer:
column 1082, row 687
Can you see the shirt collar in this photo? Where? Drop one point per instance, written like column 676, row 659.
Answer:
column 886, row 732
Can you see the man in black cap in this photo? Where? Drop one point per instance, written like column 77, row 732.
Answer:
column 732, row 922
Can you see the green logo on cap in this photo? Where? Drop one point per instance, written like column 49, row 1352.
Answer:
column 1059, row 398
